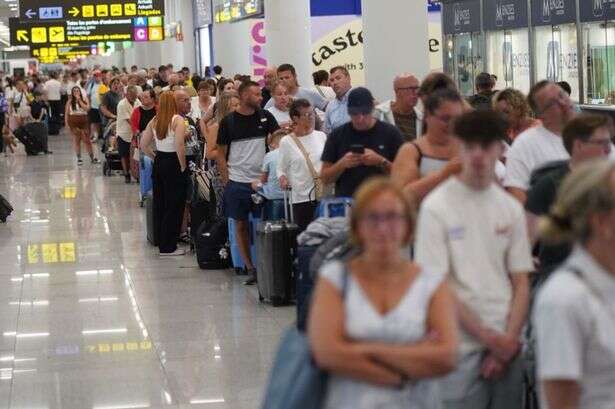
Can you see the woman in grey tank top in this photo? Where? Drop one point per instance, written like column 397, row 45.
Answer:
column 423, row 164
column 374, row 317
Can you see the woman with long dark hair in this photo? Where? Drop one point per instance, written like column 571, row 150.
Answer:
column 76, row 120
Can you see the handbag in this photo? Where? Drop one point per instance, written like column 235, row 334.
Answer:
column 295, row 381
column 321, row 190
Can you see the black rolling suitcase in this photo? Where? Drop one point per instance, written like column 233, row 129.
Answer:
column 203, row 201
column 276, row 245
column 304, row 283
column 211, row 244
column 149, row 220
column 33, row 143
column 5, row 209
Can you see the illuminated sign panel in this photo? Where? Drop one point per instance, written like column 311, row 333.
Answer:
column 73, row 33
column 88, row 9
column 238, row 10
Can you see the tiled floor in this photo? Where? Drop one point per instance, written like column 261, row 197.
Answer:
column 92, row 318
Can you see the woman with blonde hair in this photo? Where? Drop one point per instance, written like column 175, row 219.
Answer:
column 169, row 174
column 381, row 325
column 514, row 106
column 574, row 314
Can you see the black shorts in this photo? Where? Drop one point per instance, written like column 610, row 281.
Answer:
column 123, row 148
column 94, row 116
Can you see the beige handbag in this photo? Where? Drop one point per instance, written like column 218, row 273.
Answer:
column 321, row 190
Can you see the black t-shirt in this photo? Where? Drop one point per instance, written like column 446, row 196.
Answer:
column 540, row 198
column 382, row 138
column 110, row 101
column 146, row 116
column 36, row 108
column 247, row 137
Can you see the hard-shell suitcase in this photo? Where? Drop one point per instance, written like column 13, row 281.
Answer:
column 146, row 183
column 202, row 201
column 39, row 131
column 149, row 220
column 304, row 283
column 276, row 244
column 237, row 261
column 211, row 245
column 5, row 209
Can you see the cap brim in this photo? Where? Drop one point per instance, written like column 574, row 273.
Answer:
column 366, row 110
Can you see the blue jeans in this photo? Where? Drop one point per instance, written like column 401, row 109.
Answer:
column 273, row 210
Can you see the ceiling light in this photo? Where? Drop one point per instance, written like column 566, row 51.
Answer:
column 105, row 331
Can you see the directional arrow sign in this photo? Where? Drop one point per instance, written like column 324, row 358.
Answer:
column 30, row 13
column 91, row 9
column 74, row 11
column 22, row 35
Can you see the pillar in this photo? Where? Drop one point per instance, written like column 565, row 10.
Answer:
column 395, row 40
column 288, row 32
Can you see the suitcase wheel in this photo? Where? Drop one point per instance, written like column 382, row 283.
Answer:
column 105, row 168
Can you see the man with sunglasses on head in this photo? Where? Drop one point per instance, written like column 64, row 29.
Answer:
column 403, row 112
column 361, row 148
column 539, row 145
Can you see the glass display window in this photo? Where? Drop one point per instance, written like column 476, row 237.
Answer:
column 556, row 56
column 599, row 62
column 509, row 58
column 464, row 60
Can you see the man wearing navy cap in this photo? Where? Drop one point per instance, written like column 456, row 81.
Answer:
column 361, row 148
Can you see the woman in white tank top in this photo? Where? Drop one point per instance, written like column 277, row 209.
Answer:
column 169, row 174
column 374, row 317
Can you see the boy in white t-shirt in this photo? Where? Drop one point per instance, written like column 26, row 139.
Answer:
column 472, row 229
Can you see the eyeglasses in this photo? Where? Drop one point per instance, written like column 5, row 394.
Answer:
column 602, row 143
column 412, row 89
column 374, row 219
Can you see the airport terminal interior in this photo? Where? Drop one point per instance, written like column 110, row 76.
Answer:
column 306, row 204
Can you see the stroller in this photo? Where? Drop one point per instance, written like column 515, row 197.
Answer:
column 112, row 161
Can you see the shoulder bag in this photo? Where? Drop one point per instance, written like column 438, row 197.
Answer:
column 320, row 189
column 295, row 381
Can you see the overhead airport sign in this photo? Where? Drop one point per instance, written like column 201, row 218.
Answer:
column 63, row 52
column 85, row 32
column 238, row 10
column 88, row 9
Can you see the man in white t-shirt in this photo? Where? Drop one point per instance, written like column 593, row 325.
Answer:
column 472, row 229
column 542, row 144
column 53, row 94
column 123, row 128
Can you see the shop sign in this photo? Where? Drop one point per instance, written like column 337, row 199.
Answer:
column 597, row 10
column 505, row 14
column 36, row 10
column 553, row 12
column 462, row 16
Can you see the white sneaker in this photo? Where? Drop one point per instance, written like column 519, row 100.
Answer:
column 178, row 252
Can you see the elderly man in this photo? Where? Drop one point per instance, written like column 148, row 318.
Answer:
column 403, row 112
column 337, row 110
column 270, row 76
column 123, row 127
column 173, row 81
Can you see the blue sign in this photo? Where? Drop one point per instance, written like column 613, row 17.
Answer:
column 46, row 13
column 433, row 5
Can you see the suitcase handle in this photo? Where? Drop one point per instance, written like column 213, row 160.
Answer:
column 288, row 205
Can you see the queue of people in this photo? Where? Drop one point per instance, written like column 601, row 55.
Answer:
column 474, row 186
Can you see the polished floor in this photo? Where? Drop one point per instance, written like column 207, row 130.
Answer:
column 92, row 318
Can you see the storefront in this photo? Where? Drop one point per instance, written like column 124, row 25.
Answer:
column 464, row 43
column 548, row 40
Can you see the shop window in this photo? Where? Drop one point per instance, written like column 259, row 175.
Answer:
column 556, row 55
column 509, row 58
column 464, row 60
column 599, row 62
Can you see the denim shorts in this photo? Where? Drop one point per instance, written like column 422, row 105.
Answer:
column 238, row 203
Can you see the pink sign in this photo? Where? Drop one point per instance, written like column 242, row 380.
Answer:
column 258, row 56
